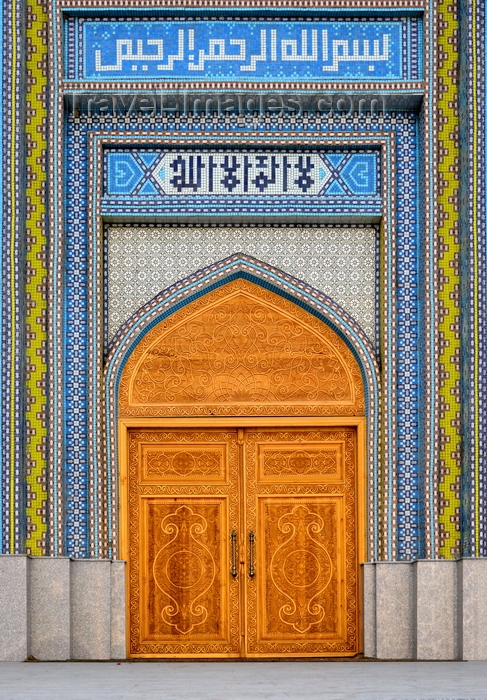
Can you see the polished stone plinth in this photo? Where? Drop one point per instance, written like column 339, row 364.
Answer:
column 72, row 609
column 426, row 610
column 57, row 608
column 14, row 618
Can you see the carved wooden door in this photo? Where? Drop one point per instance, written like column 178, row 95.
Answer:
column 183, row 503
column 301, row 504
column 243, row 542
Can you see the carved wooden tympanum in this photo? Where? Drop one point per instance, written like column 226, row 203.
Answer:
column 242, row 542
column 241, row 350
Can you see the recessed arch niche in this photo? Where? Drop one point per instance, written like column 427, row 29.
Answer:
column 244, row 411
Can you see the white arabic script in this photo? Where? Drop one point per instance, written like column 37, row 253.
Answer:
column 305, row 48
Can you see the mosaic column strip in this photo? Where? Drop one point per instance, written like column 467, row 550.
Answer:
column 429, row 345
column 481, row 505
column 474, row 383
column 55, row 447
column 4, row 485
column 407, row 532
column 449, row 283
column 12, row 534
column 36, row 267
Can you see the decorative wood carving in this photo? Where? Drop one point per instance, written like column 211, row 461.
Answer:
column 237, row 350
column 188, row 596
column 301, row 587
column 183, row 568
column 317, row 460
column 182, row 601
column 303, row 599
column 171, row 462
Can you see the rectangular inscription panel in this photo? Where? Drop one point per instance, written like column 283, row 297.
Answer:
column 155, row 173
column 180, row 182
column 244, row 50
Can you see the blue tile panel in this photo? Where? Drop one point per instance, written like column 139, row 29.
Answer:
column 402, row 127
column 244, row 49
column 180, row 182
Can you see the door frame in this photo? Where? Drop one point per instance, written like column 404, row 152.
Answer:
column 358, row 422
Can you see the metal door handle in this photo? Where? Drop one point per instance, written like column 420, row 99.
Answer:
column 233, row 539
column 251, row 554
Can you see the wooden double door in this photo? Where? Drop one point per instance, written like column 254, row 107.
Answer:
column 242, row 542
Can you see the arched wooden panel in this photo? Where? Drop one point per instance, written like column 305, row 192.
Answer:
column 241, row 350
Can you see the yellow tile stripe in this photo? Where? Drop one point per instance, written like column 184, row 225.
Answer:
column 449, row 325
column 36, row 275
column 13, row 274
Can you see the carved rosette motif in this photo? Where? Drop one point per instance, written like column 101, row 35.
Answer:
column 289, row 460
column 241, row 350
column 173, row 463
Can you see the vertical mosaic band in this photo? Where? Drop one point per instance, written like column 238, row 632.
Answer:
column 4, row 486
column 55, row 406
column 12, row 520
column 473, row 110
column 482, row 192
column 36, row 271
column 449, row 283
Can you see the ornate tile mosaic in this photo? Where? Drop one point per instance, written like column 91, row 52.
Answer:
column 36, row 282
column 244, row 48
column 449, row 287
column 12, row 520
column 81, row 537
column 473, row 108
column 340, row 262
column 299, row 182
column 73, row 516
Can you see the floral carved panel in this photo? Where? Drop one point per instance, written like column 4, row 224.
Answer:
column 317, row 461
column 300, row 594
column 241, row 350
column 184, row 570
column 169, row 462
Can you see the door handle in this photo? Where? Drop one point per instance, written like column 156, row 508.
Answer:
column 251, row 554
column 233, row 540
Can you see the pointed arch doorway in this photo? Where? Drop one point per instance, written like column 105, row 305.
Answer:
column 242, row 450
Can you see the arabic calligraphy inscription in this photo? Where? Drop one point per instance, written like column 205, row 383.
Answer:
column 229, row 49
